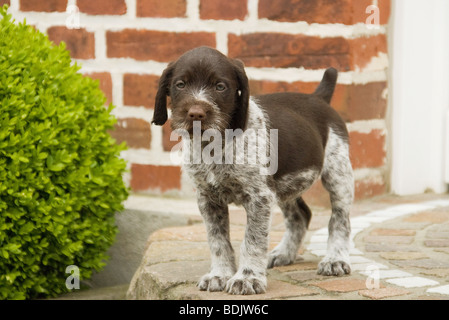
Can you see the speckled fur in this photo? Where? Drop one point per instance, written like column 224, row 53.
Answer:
column 221, row 184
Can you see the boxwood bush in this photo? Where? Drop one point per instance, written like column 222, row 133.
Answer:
column 60, row 172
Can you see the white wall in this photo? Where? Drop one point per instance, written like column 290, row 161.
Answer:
column 420, row 95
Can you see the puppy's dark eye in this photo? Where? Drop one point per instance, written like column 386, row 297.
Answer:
column 180, row 84
column 220, row 86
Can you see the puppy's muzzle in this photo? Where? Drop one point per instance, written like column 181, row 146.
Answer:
column 196, row 113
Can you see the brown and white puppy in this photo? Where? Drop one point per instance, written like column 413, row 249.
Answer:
column 210, row 90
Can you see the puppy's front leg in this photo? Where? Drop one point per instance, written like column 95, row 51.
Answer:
column 216, row 219
column 251, row 277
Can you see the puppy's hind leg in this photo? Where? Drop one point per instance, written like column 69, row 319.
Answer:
column 297, row 217
column 337, row 178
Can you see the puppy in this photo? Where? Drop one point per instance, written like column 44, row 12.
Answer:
column 209, row 91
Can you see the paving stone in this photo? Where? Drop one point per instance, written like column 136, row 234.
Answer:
column 389, row 239
column 155, row 282
column 373, row 219
column 409, row 208
column 440, row 290
column 412, row 282
column 392, row 232
column 276, row 290
column 317, row 246
column 359, row 259
column 322, row 231
column 298, row 266
column 386, row 274
column 360, row 224
column 438, row 232
column 375, row 247
column 439, row 202
column 191, row 233
column 302, row 276
column 444, row 250
column 367, row 266
column 403, row 255
column 355, row 232
column 383, row 293
column 421, row 263
column 318, row 253
column 437, row 243
column 355, row 251
column 440, row 273
column 319, row 238
column 429, row 216
column 342, row 285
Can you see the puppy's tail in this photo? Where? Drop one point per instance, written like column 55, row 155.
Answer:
column 327, row 86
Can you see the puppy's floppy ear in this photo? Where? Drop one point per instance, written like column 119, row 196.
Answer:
column 242, row 97
column 160, row 109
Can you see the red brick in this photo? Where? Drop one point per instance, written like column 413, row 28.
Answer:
column 109, row 7
column 3, row 2
column 367, row 150
column 43, row 5
column 135, row 132
column 353, row 102
column 259, row 87
column 360, row 15
column 318, row 196
column 361, row 102
column 140, row 90
column 384, row 10
column 311, row 11
column 105, row 83
column 223, row 10
column 155, row 178
column 296, row 50
column 365, row 48
column 154, row 45
column 161, row 9
column 79, row 42
column 287, row 50
column 367, row 188
column 321, row 11
column 168, row 144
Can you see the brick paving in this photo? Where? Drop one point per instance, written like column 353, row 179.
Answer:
column 399, row 250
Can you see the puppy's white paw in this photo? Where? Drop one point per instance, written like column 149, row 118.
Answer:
column 213, row 282
column 246, row 285
column 334, row 267
column 277, row 259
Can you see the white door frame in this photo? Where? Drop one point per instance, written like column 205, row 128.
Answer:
column 419, row 95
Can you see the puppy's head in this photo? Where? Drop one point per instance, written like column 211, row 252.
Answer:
column 203, row 85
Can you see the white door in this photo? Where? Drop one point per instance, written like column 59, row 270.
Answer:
column 419, row 96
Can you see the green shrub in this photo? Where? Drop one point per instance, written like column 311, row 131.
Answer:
column 60, row 171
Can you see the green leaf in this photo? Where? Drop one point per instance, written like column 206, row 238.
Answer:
column 26, row 228
column 23, row 159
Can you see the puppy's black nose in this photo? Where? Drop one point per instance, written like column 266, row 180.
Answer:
column 196, row 113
